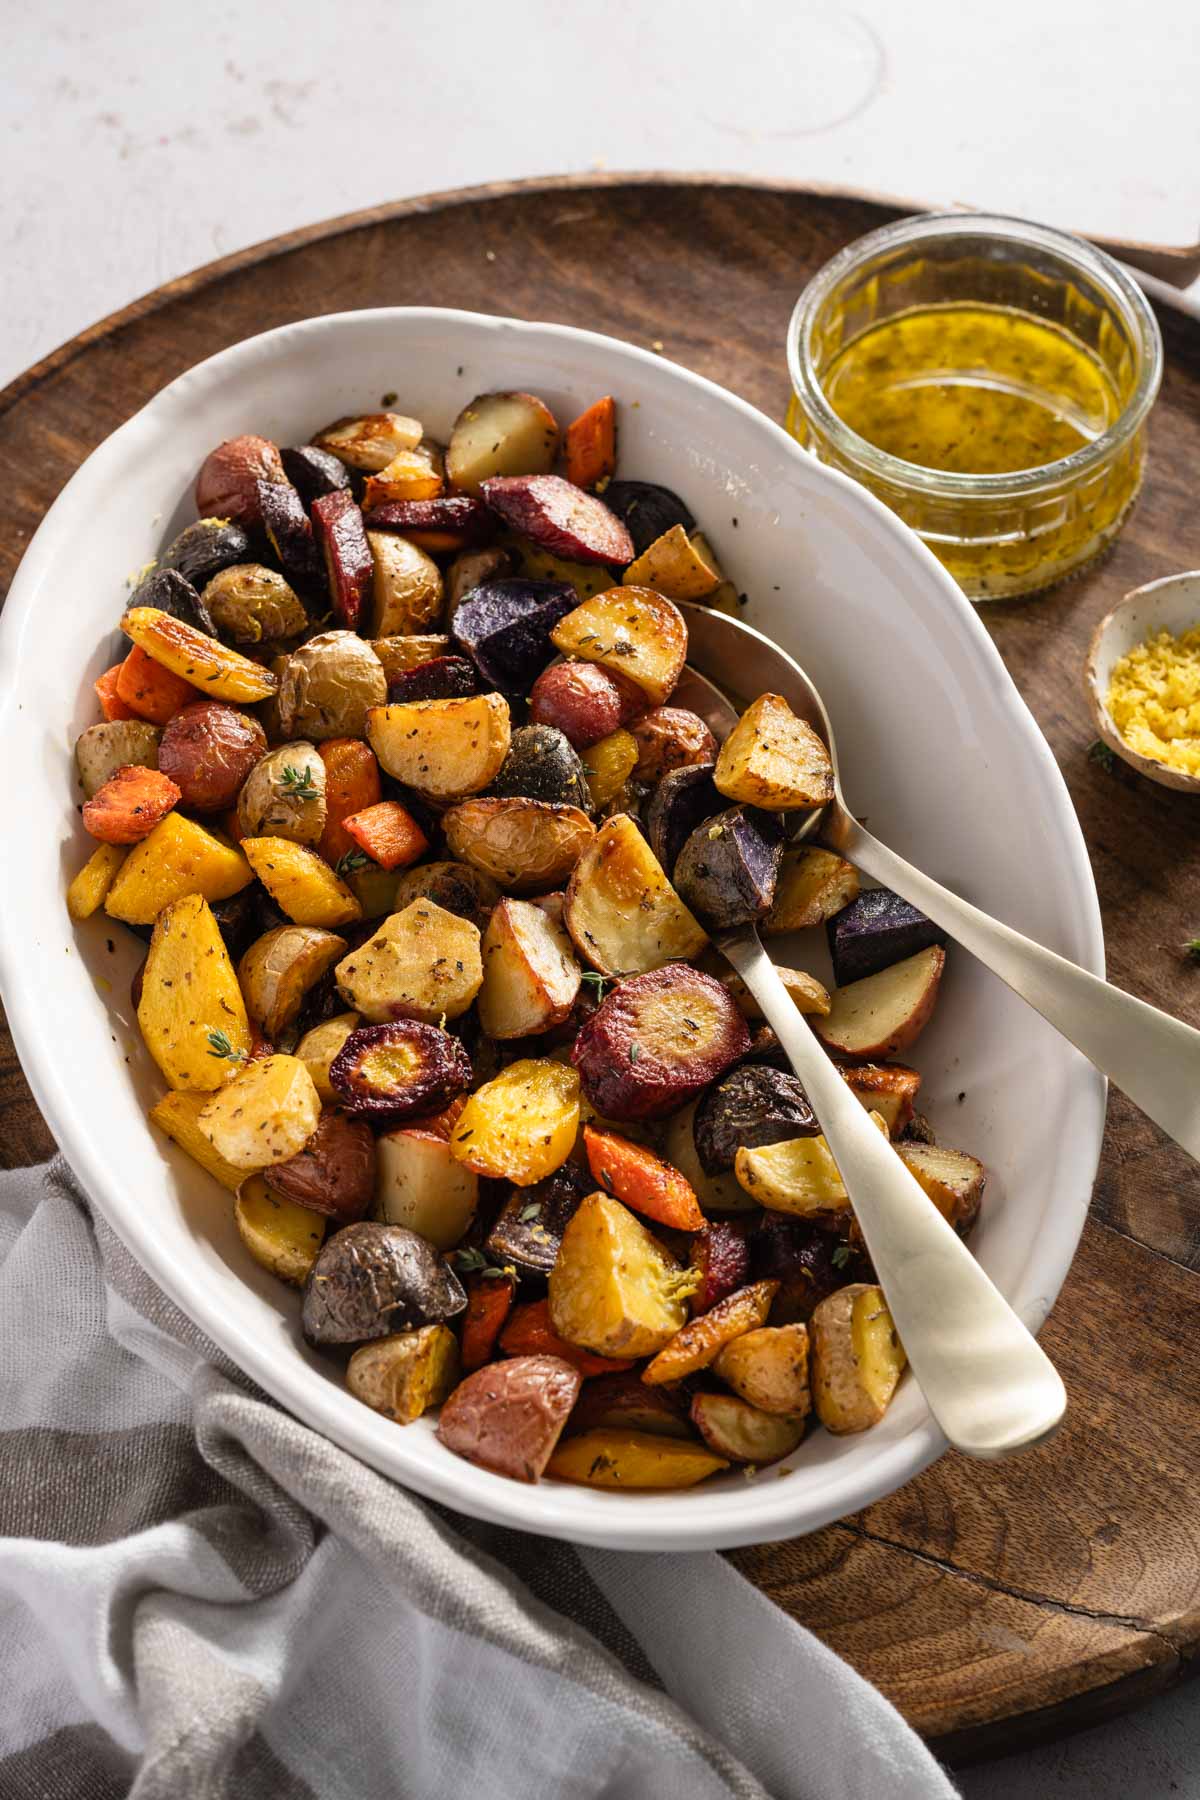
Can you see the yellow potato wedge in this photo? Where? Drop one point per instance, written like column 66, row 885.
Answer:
column 422, row 963
column 614, row 1288
column 621, row 911
column 404, row 1375
column 279, row 968
column 371, row 441
column 797, row 1175
column 857, row 1358
column 633, row 1460
column 521, row 1125
column 699, row 1342
column 421, row 1185
column 734, row 1429
column 318, row 1047
column 191, row 1012
column 953, row 1180
column 178, row 1115
column 885, row 1013
column 219, row 673
column 675, row 565
column 586, row 578
column 398, row 654
column 888, row 1089
column 774, row 760
column 87, row 891
column 525, row 845
column 265, row 1115
column 416, row 474
column 768, row 1367
column 407, row 591
column 300, row 882
column 813, row 884
column 178, row 857
column 634, row 632
column 530, row 975
column 283, row 1238
column 608, row 766
column 809, row 995
column 443, row 748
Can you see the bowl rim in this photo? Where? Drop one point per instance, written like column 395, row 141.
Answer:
column 1106, row 725
column 721, row 1519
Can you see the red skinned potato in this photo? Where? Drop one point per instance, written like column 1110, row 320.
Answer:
column 399, row 1071
column 500, row 434
column 583, row 701
column 208, row 749
column 227, row 485
column 656, row 1041
column 559, row 517
column 882, row 1014
column 509, row 1416
column 671, row 737
column 334, row 1174
column 350, row 567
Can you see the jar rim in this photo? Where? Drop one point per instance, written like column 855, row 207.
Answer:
column 1122, row 294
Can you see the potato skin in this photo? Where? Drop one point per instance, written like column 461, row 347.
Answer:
column 208, row 749
column 671, row 737
column 526, row 845
column 583, row 701
column 371, row 1280
column 454, row 886
column 227, row 485
column 251, row 603
column 752, row 1105
column 327, row 686
column 402, row 1376
column 637, row 1055
column 272, row 804
column 508, row 1416
column 768, row 1368
column 334, row 1174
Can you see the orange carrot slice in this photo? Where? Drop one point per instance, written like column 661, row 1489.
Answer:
column 111, row 703
column 129, row 805
column 150, row 691
column 351, row 785
column 591, row 444
column 489, row 1301
column 388, row 833
column 530, row 1333
column 642, row 1180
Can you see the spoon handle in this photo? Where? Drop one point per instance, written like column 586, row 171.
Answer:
column 1152, row 1057
column 987, row 1383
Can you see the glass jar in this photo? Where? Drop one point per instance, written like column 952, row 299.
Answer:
column 1000, row 535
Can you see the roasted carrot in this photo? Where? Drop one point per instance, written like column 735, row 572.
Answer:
column 351, row 785
column 129, row 805
column 530, row 1333
column 111, row 703
column 642, row 1180
column 388, row 833
column 489, row 1301
column 151, row 691
column 591, row 446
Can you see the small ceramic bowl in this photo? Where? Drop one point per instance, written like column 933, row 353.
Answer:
column 1172, row 604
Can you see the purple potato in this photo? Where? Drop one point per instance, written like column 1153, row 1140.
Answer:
column 752, row 1105
column 646, row 510
column 371, row 1280
column 202, row 550
column 727, row 870
column 505, row 626
column 874, row 931
column 531, row 1223
column 314, row 472
column 682, row 800
column 541, row 765
column 173, row 593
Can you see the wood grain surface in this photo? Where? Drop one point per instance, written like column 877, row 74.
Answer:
column 995, row 1605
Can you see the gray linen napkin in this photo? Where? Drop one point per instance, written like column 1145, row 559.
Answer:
column 201, row 1597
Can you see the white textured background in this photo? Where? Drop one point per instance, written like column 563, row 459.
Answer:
column 142, row 139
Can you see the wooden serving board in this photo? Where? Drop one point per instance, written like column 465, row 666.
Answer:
column 995, row 1605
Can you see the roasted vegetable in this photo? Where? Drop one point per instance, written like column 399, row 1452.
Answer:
column 399, row 1071
column 590, row 444
column 677, row 566
column 728, row 867
column 857, row 1359
column 888, row 1089
column 474, row 568
column 647, row 511
column 423, row 963
column 621, row 911
column 642, row 1180
column 768, row 1368
column 614, row 1288
column 623, row 1402
column 313, row 471
column 656, row 1041
column 953, row 1180
column 805, row 992
column 508, row 1416
column 454, row 886
column 441, row 678
column 541, row 765
column 683, row 799
column 402, row 1376
column 797, row 1175
column 421, row 1186
column 191, row 1011
column 199, row 553
column 264, row 1115
column 876, row 930
column 559, row 517
column 808, row 1262
column 885, row 1013
column 500, row 434
column 129, row 805
column 812, row 886
column 208, row 749
column 774, row 760
column 521, row 1125
column 416, row 474
column 698, row 1343
column 583, row 701
column 320, row 1045
column 87, row 891
column 444, row 748
column 291, row 536
column 351, row 784
column 328, row 686
column 609, row 766
column 633, row 1460
column 249, row 603
column 387, row 833
column 147, row 690
column 173, row 593
column 284, row 795
column 526, row 845
column 334, row 1174
column 371, row 1280
column 671, row 737
column 442, row 525
column 505, row 627
column 278, row 970
column 283, row 1237
column 222, row 673
column 179, row 857
column 302, row 885
column 721, row 1258
column 716, row 1193
column 633, row 632
column 528, row 1332
column 227, row 485
column 489, row 1302
column 406, row 586
column 400, row 653
column 177, row 1115
column 752, row 1105
column 111, row 703
column 741, row 1433
column 530, row 975
column 369, row 442
column 116, row 744
column 528, row 1229
column 337, row 527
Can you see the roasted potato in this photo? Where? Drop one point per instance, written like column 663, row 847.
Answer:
column 313, row 471
column 301, row 884
column 209, row 749
column 671, row 737
column 528, row 1229
column 179, row 857
column 526, row 845
column 443, row 748
column 334, row 1174
column 115, row 744
column 656, row 1041
column 500, row 434
column 623, row 1402
column 796, row 1175
column 191, row 1010
column 327, row 687
column 874, row 931
column 407, row 590
column 278, row 970
column 541, row 765
column 508, row 1416
column 420, row 1185
column 753, row 1105
column 530, row 975
column 559, row 517
column 813, row 885
column 888, row 1089
column 774, row 760
column 621, row 911
column 683, row 799
column 647, row 510
column 632, row 631
column 521, row 1125
column 397, row 654
column 89, row 887
column 716, row 1193
column 423, row 963
column 402, row 1376
column 399, row 1071
column 505, row 625
column 416, row 474
column 728, row 867
column 472, row 569
column 318, row 1047
column 264, row 1115
column 807, row 1260
column 441, row 678
column 284, row 795
column 369, row 442
column 805, row 991
column 609, row 765
column 632, row 1460
column 741, row 1433
column 885, row 1013
column 857, row 1359
column 223, row 674
column 252, row 604
column 177, row 1115
column 700, row 1341
column 371, row 1280
column 677, row 566
column 953, row 1180
column 173, row 593
column 614, row 1289
column 227, row 485
column 283, row 1237
column 584, row 702
column 768, row 1368
column 453, row 885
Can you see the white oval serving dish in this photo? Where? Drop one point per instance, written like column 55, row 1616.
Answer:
column 939, row 754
